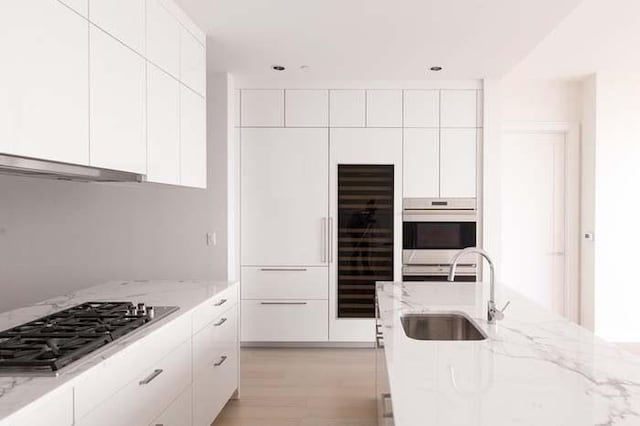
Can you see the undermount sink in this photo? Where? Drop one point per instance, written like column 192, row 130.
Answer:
column 440, row 326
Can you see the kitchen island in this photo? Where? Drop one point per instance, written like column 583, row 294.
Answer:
column 180, row 370
column 535, row 368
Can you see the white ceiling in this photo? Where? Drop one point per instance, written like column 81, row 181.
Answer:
column 599, row 35
column 374, row 39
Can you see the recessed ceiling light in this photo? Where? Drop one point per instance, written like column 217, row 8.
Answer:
column 277, row 67
column 436, row 68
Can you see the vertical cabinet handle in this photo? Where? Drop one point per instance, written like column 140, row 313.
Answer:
column 223, row 358
column 331, row 240
column 324, row 240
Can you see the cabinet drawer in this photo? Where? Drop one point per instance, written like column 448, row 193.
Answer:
column 179, row 413
column 145, row 397
column 212, row 308
column 113, row 374
column 285, row 283
column 55, row 408
column 215, row 339
column 285, row 321
column 213, row 387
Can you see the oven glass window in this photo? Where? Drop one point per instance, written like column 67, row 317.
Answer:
column 438, row 235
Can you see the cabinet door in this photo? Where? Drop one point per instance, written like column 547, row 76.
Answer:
column 123, row 19
column 284, row 196
column 44, row 81
column 262, row 108
column 192, row 62
column 458, row 163
column 163, row 127
column 163, row 37
column 193, row 139
column 179, row 413
column 347, row 108
column 80, row 6
column 421, row 163
column 384, row 108
column 117, row 110
column 459, row 108
column 55, row 408
column 421, row 108
column 307, row 108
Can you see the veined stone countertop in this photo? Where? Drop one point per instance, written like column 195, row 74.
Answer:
column 536, row 368
column 18, row 392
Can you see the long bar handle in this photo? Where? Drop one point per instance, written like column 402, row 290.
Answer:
column 283, row 269
column 283, row 303
column 330, row 240
column 151, row 377
column 324, row 240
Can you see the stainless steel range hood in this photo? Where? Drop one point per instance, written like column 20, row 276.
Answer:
column 23, row 166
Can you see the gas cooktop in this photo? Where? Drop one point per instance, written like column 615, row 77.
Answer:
column 44, row 346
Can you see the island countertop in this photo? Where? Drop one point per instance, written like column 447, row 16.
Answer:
column 535, row 368
column 20, row 391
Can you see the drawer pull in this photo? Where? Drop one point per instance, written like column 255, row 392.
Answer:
column 283, row 303
column 219, row 323
column 283, row 269
column 221, row 302
column 223, row 358
column 151, row 377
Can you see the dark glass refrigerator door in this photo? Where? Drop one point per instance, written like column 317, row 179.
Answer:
column 365, row 236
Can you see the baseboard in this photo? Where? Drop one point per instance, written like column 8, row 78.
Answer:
column 346, row 345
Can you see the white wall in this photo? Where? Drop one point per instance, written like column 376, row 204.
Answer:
column 59, row 236
column 617, row 203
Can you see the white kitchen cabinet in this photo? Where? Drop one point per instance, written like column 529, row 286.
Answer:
column 384, row 108
column 421, row 168
column 123, row 19
column 284, row 197
column 163, row 127
column 458, row 155
column 163, row 37
column 44, row 82
column 118, row 105
column 262, row 108
column 284, row 321
column 179, row 413
column 422, row 108
column 307, row 108
column 193, row 139
column 459, row 108
column 192, row 62
column 80, row 6
column 214, row 307
column 347, row 108
column 55, row 408
column 144, row 398
column 285, row 283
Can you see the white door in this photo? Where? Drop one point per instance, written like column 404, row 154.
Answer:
column 284, row 197
column 533, row 216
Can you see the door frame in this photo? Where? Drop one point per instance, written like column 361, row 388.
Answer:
column 574, row 307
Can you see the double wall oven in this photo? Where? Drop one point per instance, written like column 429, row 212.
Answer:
column 434, row 230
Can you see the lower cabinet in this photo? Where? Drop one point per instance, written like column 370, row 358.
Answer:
column 179, row 413
column 285, row 320
column 53, row 409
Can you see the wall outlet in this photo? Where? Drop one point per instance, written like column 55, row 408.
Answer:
column 212, row 239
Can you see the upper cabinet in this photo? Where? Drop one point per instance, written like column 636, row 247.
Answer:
column 163, row 37
column 459, row 108
column 44, row 81
column 80, row 6
column 192, row 62
column 123, row 19
column 307, row 108
column 347, row 108
column 422, row 108
column 118, row 105
column 262, row 108
column 193, row 139
column 384, row 108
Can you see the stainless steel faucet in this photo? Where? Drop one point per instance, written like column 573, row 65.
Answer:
column 493, row 313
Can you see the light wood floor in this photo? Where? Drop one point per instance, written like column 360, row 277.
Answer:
column 304, row 387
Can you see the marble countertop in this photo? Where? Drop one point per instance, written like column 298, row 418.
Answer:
column 536, row 368
column 18, row 392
